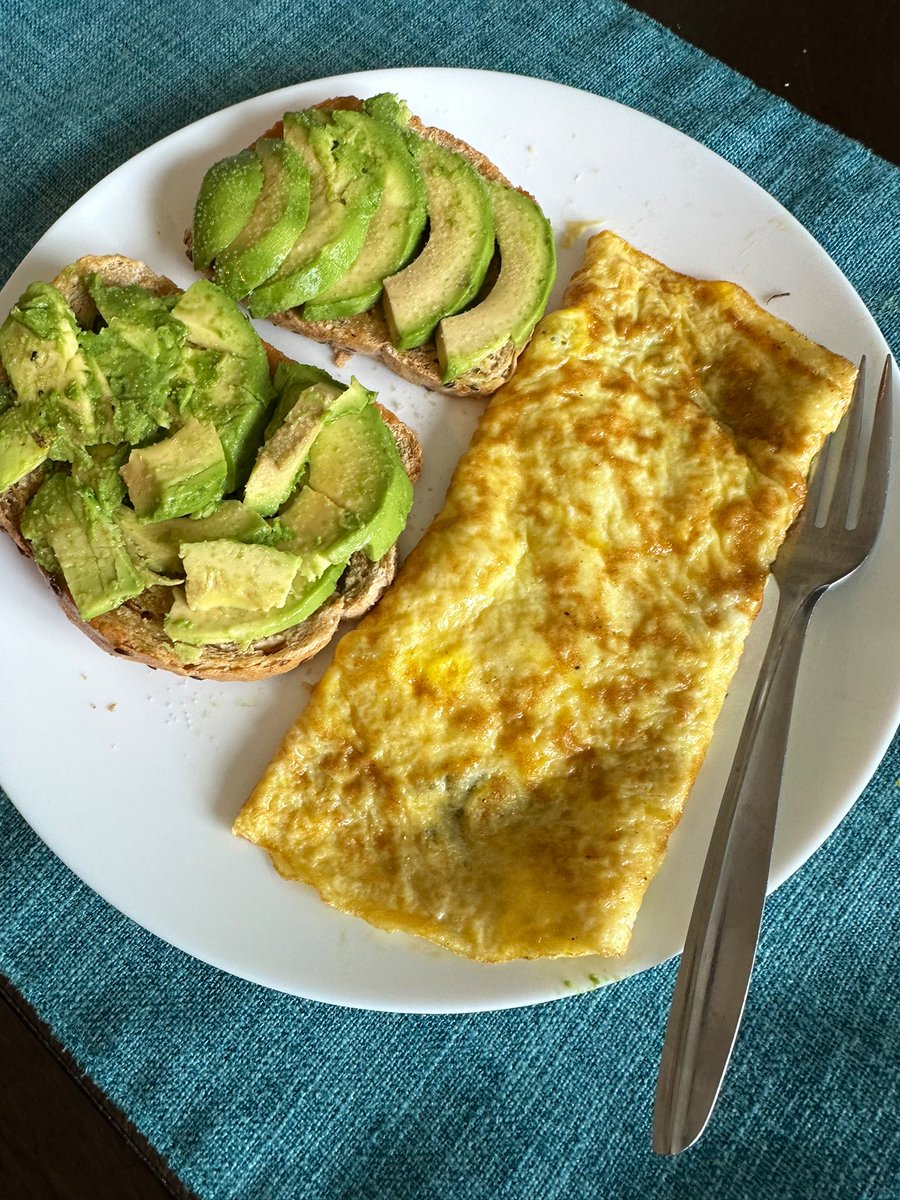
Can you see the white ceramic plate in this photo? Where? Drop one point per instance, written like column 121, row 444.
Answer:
column 133, row 777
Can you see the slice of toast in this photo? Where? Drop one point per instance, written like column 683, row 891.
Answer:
column 135, row 630
column 367, row 332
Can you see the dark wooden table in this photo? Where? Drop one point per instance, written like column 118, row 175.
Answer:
column 60, row 1139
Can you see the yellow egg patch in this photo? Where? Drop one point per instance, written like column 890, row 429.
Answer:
column 498, row 754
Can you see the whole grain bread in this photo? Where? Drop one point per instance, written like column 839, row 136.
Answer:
column 367, row 332
column 135, row 630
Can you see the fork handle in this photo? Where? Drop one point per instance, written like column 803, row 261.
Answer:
column 714, row 975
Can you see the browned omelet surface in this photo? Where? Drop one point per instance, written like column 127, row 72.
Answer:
column 498, row 754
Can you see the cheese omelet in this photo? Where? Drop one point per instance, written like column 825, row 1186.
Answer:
column 499, row 752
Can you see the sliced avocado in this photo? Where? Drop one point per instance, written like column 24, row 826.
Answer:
column 345, row 189
column 278, row 218
column 227, row 198
column 86, row 544
column 217, row 625
column 517, row 300
column 355, row 463
column 99, row 469
column 239, row 430
column 388, row 108
column 65, row 397
column 396, row 226
column 226, row 574
column 132, row 304
column 214, row 322
column 173, row 360
column 138, row 351
column 182, row 474
column 156, row 545
column 215, row 388
column 320, row 532
column 225, row 375
column 450, row 270
column 19, row 452
column 283, row 457
column 290, row 380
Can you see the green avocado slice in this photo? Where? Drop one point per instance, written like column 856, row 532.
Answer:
column 292, row 378
column 345, row 189
column 396, row 227
column 278, row 217
column 354, row 461
column 282, row 459
column 86, row 545
column 214, row 322
column 138, row 351
column 19, row 452
column 225, row 203
column 182, row 474
column 217, row 625
column 63, row 394
column 389, row 109
column 451, row 268
column 320, row 532
column 229, row 574
column 100, row 470
column 156, row 545
column 517, row 300
column 138, row 309
column 240, row 429
column 225, row 375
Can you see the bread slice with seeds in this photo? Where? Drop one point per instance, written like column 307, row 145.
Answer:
column 135, row 629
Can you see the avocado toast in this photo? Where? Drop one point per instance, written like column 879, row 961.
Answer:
column 412, row 247
column 197, row 501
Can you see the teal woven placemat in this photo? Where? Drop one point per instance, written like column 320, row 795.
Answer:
column 250, row 1094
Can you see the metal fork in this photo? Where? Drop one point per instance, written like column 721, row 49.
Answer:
column 714, row 975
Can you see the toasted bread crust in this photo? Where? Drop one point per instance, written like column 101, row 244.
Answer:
column 367, row 333
column 135, row 630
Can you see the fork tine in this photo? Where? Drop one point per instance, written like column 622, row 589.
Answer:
column 817, row 479
column 843, row 487
column 821, row 469
column 878, row 466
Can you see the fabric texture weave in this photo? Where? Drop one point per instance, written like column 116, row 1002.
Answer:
column 251, row 1094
